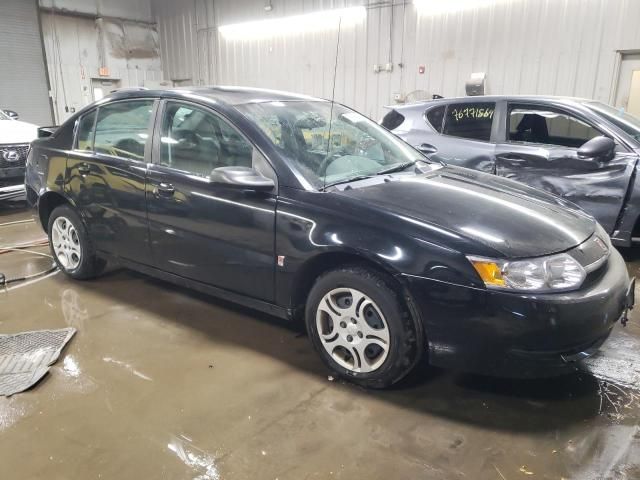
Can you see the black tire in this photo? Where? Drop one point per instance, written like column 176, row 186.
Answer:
column 90, row 265
column 404, row 349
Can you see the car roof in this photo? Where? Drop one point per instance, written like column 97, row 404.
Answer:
column 229, row 95
column 575, row 101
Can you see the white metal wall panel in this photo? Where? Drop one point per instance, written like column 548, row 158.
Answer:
column 556, row 47
column 77, row 47
column 129, row 9
column 23, row 85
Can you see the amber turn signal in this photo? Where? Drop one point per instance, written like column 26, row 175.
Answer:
column 490, row 272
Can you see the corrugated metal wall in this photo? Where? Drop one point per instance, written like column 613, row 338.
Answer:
column 561, row 47
column 77, row 47
column 129, row 9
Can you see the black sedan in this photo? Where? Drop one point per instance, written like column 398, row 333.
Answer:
column 308, row 210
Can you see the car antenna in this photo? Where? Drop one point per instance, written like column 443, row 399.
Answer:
column 333, row 98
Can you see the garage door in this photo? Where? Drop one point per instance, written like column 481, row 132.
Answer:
column 23, row 82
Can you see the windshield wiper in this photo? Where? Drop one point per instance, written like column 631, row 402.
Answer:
column 398, row 168
column 346, row 180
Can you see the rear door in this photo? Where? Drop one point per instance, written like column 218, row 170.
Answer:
column 540, row 148
column 105, row 175
column 212, row 233
column 466, row 134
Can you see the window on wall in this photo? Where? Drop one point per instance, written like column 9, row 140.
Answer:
column 469, row 120
column 197, row 141
column 122, row 128
column 84, row 135
column 435, row 116
column 541, row 125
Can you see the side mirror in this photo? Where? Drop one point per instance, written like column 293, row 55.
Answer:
column 11, row 114
column 44, row 132
column 241, row 177
column 601, row 148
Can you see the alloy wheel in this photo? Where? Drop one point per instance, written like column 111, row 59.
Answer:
column 66, row 243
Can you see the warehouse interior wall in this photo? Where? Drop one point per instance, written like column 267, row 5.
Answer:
column 551, row 47
column 129, row 9
column 110, row 44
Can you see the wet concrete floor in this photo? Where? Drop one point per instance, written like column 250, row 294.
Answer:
column 163, row 383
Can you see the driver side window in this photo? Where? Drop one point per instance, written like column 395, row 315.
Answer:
column 545, row 126
column 197, row 141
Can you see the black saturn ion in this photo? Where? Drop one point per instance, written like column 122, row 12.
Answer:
column 308, row 210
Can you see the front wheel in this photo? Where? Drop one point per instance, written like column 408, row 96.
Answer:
column 71, row 246
column 361, row 328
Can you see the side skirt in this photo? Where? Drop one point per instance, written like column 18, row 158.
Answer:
column 260, row 305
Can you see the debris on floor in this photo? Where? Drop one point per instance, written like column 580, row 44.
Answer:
column 26, row 357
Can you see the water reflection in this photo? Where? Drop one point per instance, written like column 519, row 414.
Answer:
column 202, row 464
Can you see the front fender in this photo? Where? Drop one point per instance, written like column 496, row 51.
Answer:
column 309, row 234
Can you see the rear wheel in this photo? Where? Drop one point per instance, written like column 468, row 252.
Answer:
column 361, row 328
column 71, row 246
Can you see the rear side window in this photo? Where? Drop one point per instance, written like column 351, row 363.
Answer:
column 470, row 120
column 392, row 120
column 435, row 116
column 531, row 124
column 122, row 128
column 84, row 135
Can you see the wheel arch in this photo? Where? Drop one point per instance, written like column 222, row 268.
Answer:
column 315, row 266
column 312, row 268
column 47, row 203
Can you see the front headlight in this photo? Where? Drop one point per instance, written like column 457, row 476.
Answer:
column 554, row 273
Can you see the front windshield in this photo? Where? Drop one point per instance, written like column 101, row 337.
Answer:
column 624, row 121
column 358, row 147
column 4, row 116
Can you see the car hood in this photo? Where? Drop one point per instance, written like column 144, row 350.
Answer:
column 508, row 217
column 15, row 131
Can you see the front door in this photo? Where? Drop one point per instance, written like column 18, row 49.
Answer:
column 105, row 176
column 216, row 234
column 541, row 150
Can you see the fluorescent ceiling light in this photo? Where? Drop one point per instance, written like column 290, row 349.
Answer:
column 434, row 7
column 310, row 22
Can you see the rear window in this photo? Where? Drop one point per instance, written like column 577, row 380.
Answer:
column 392, row 120
column 469, row 120
column 122, row 128
column 435, row 116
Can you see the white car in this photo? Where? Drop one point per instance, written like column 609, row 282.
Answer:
column 15, row 137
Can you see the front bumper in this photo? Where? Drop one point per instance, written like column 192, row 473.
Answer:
column 520, row 335
column 12, row 191
column 11, row 182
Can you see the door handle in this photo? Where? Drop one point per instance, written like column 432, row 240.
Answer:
column 164, row 190
column 84, row 169
column 427, row 148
